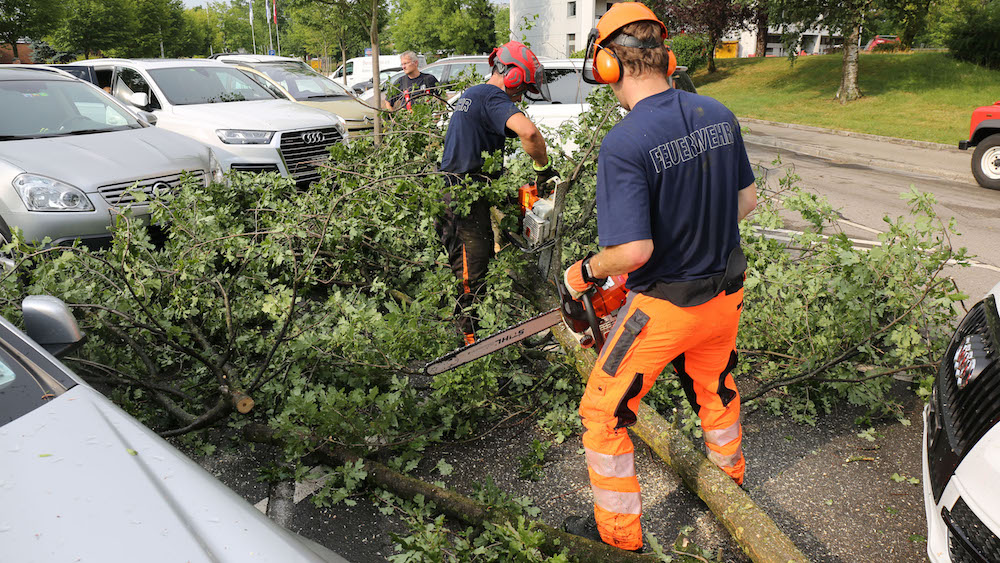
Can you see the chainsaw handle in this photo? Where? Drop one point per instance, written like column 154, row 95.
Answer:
column 595, row 323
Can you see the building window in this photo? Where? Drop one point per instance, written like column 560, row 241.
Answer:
column 570, row 43
column 571, row 9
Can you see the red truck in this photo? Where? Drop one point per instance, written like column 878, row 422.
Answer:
column 984, row 134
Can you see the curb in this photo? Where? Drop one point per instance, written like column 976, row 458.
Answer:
column 819, row 152
column 842, row 133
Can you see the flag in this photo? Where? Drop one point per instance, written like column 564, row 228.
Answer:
column 274, row 4
column 267, row 12
column 251, row 10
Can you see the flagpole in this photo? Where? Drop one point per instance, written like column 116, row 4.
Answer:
column 253, row 37
column 274, row 5
column 267, row 16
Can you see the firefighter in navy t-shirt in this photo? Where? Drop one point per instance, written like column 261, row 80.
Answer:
column 484, row 117
column 673, row 182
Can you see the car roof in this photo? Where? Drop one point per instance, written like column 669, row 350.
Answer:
column 460, row 58
column 32, row 72
column 256, row 59
column 153, row 63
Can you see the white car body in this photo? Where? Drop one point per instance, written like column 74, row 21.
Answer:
column 300, row 135
column 961, row 496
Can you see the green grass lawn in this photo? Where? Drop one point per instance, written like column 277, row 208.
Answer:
column 923, row 96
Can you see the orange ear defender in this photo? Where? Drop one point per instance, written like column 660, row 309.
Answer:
column 602, row 66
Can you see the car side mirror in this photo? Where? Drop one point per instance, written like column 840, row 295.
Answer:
column 139, row 99
column 147, row 117
column 50, row 323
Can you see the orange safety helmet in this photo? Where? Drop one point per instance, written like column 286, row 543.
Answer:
column 601, row 65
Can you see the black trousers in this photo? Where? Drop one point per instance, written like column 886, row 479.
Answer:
column 469, row 243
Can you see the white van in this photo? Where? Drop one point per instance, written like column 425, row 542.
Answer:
column 359, row 69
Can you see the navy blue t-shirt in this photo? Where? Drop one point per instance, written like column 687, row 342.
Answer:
column 478, row 124
column 670, row 171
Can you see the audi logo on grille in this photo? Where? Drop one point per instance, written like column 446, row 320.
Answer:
column 313, row 137
column 161, row 187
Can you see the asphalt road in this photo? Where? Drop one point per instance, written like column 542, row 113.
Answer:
column 839, row 496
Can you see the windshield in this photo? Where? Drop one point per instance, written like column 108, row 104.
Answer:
column 21, row 390
column 184, row 86
column 32, row 109
column 302, row 82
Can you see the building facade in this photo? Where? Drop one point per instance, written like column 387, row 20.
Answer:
column 557, row 28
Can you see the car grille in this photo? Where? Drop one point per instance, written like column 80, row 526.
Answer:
column 969, row 540
column 254, row 168
column 122, row 194
column 303, row 150
column 960, row 417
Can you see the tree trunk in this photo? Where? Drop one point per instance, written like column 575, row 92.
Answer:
column 13, row 47
column 375, row 71
column 762, row 16
column 713, row 41
column 849, row 90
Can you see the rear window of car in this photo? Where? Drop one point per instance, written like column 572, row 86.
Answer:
column 566, row 86
column 207, row 85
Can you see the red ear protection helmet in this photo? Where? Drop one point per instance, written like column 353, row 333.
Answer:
column 519, row 68
column 601, row 65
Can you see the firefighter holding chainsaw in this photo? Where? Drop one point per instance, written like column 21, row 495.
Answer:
column 484, row 117
column 673, row 182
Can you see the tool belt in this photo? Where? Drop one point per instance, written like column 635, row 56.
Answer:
column 692, row 293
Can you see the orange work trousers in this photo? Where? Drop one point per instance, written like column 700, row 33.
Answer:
column 700, row 341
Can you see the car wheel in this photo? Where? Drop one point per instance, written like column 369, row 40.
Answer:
column 986, row 162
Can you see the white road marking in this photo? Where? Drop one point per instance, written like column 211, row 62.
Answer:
column 785, row 235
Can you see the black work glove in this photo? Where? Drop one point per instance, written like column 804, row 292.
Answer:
column 545, row 175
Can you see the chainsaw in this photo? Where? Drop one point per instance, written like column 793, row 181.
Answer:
column 592, row 318
column 536, row 227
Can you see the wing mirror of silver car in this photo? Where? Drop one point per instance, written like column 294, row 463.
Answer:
column 50, row 323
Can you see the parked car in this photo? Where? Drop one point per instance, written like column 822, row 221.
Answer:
column 984, row 134
column 217, row 104
column 81, row 480
column 359, row 69
column 69, row 153
column 384, row 77
column 569, row 93
column 447, row 72
column 294, row 80
column 961, row 446
column 881, row 40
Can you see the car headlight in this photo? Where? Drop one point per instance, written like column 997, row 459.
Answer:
column 244, row 136
column 216, row 173
column 342, row 127
column 45, row 194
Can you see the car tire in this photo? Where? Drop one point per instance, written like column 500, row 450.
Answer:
column 986, row 162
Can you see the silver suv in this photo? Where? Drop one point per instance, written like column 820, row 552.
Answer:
column 69, row 155
column 219, row 105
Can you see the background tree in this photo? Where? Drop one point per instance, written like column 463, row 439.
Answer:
column 501, row 24
column 93, row 26
column 714, row 18
column 843, row 16
column 159, row 26
column 195, row 34
column 27, row 19
column 339, row 27
column 450, row 26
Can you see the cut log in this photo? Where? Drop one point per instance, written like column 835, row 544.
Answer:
column 455, row 505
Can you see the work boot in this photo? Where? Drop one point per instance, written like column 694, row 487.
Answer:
column 586, row 527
